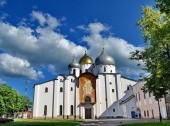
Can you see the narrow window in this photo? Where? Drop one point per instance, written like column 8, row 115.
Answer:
column 80, row 71
column 113, row 110
column 113, row 90
column 152, row 114
column 71, row 110
column 60, row 80
column 136, row 97
column 104, row 69
column 71, row 89
column 110, row 71
column 144, row 113
column 144, row 93
column 61, row 109
column 128, row 88
column 61, row 89
column 149, row 94
column 86, row 70
column 148, row 113
column 45, row 109
column 74, row 71
column 139, row 95
column 110, row 83
column 46, row 89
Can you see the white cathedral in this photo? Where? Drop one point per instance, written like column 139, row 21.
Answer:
column 90, row 90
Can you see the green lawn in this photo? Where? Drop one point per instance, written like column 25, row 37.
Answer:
column 149, row 124
column 32, row 122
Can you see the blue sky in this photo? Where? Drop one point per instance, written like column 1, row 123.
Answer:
column 38, row 39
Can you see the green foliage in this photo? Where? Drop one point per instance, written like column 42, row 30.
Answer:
column 163, row 5
column 2, row 106
column 11, row 101
column 25, row 102
column 155, row 27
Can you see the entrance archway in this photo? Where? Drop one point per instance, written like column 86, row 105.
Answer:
column 88, row 113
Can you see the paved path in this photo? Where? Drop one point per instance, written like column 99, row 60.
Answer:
column 114, row 122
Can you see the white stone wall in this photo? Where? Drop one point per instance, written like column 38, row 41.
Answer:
column 148, row 104
column 85, row 67
column 124, row 84
column 69, row 95
column 43, row 98
column 60, row 95
column 35, row 102
column 105, row 69
column 77, row 71
column 107, row 82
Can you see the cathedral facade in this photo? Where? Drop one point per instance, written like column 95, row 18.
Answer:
column 90, row 90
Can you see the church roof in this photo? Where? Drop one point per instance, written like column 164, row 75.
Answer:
column 86, row 59
column 104, row 59
column 74, row 64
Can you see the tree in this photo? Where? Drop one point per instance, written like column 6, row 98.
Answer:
column 25, row 103
column 11, row 101
column 10, row 98
column 163, row 5
column 2, row 106
column 155, row 27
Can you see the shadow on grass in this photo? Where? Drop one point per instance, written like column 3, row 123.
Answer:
column 42, row 123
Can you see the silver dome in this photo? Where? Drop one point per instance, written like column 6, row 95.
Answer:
column 104, row 59
column 74, row 64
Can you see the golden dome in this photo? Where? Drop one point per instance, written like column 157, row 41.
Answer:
column 86, row 59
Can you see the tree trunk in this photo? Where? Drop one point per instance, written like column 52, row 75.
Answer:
column 160, row 116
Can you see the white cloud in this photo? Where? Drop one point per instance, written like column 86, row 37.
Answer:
column 44, row 46
column 41, row 46
column 15, row 67
column 118, row 48
column 52, row 69
column 2, row 3
column 48, row 47
column 45, row 19
column 72, row 30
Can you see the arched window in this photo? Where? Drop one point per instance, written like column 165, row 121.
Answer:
column 46, row 89
column 61, row 109
column 148, row 113
column 74, row 71
column 71, row 110
column 71, row 89
column 104, row 69
column 45, row 109
column 144, row 113
column 61, row 89
column 87, row 99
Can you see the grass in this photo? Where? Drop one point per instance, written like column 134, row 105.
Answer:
column 33, row 122
column 149, row 124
